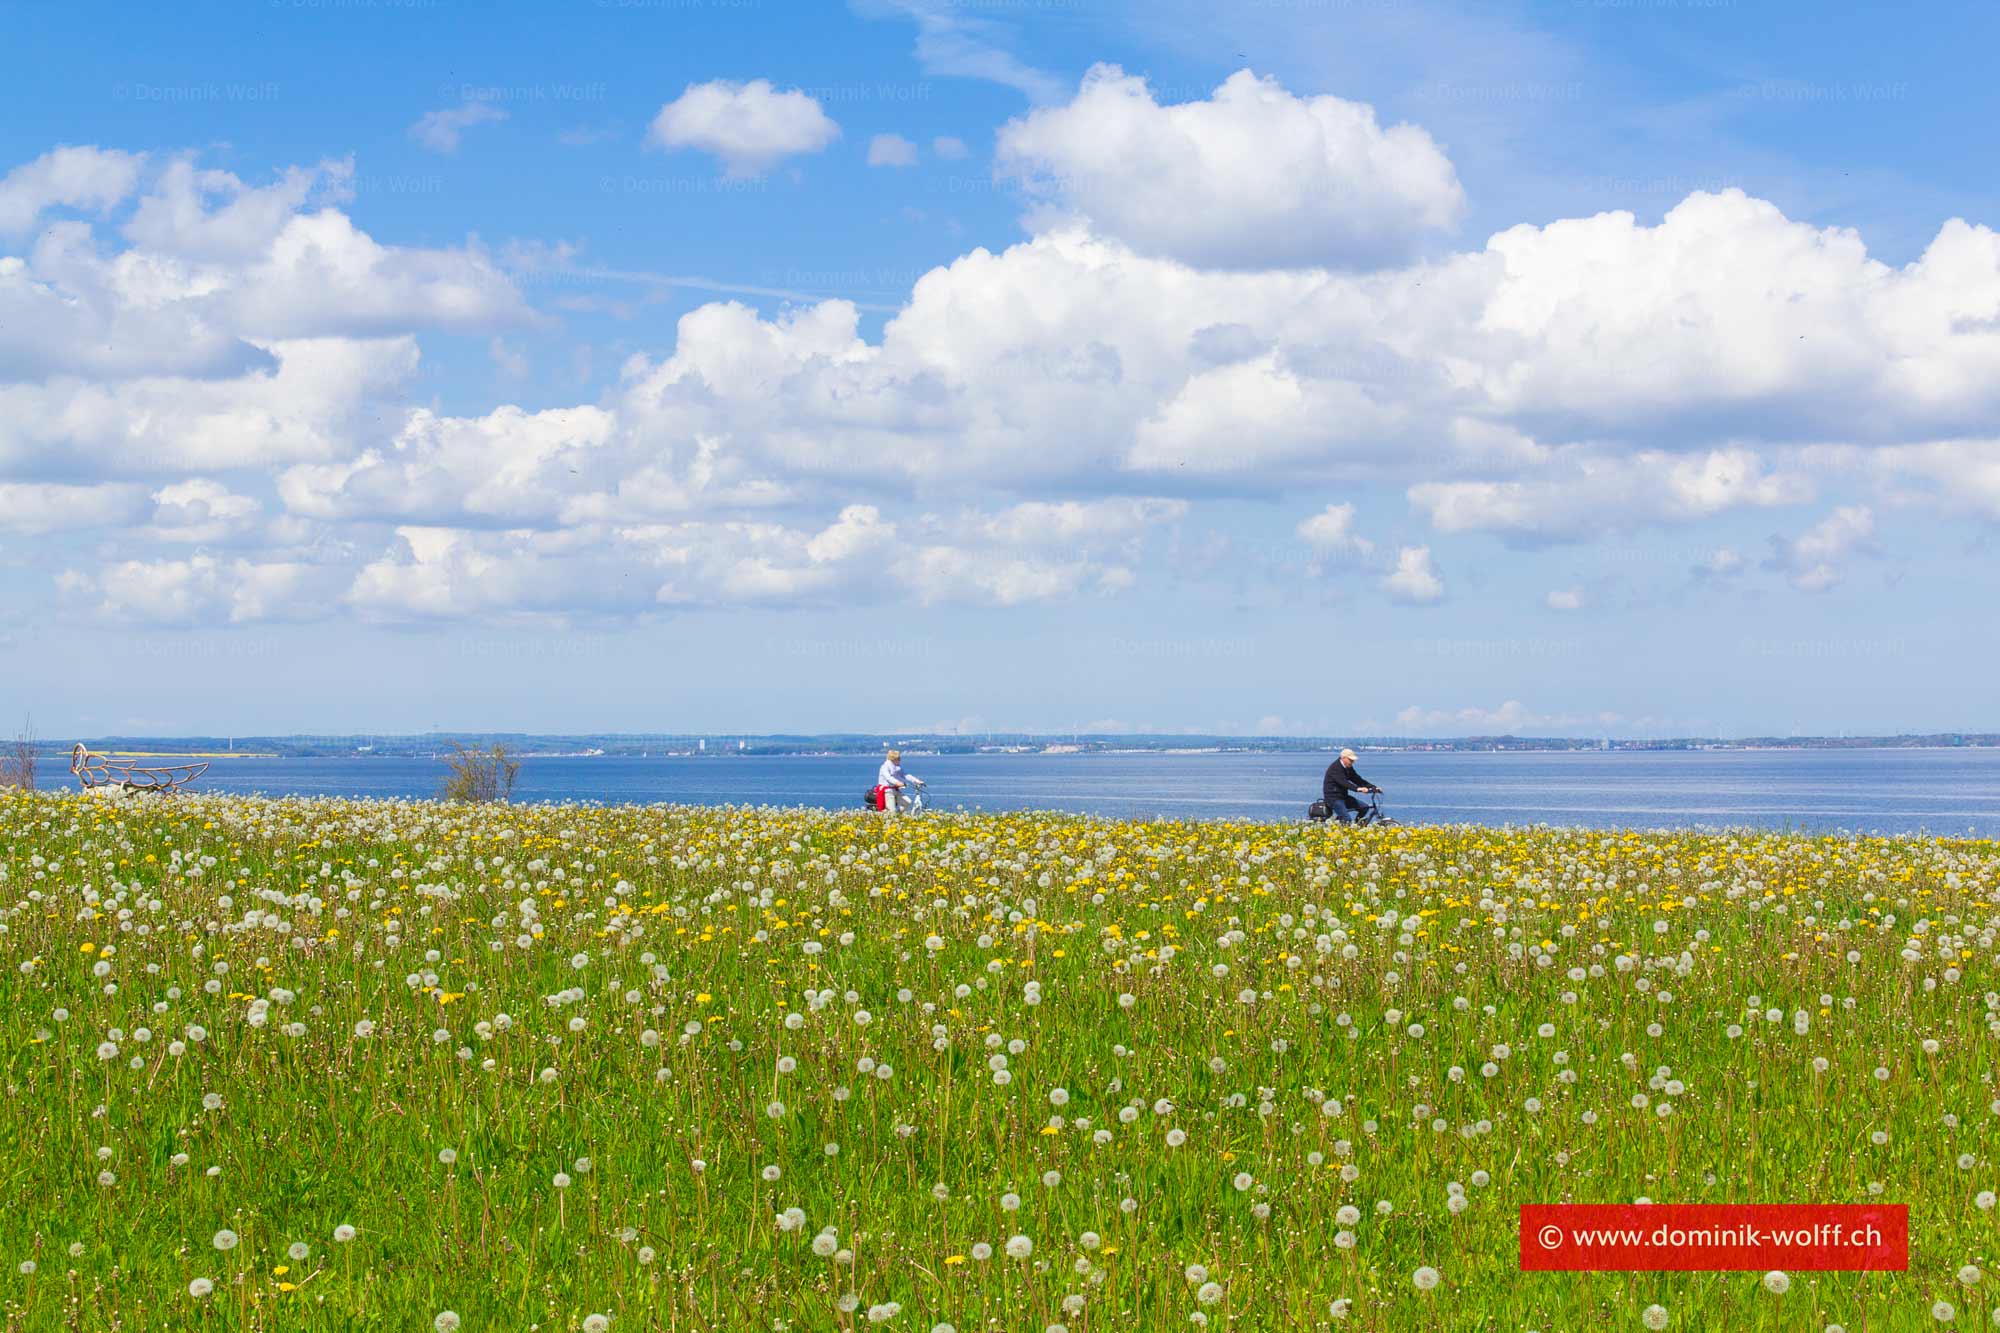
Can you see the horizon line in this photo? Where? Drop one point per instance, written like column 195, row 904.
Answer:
column 445, row 734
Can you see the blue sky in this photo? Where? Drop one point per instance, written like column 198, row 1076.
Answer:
column 1347, row 367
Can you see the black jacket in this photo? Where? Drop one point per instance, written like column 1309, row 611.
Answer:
column 1339, row 780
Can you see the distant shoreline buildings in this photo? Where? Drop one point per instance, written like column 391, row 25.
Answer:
column 612, row 745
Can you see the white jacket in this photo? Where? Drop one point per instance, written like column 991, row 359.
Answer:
column 891, row 775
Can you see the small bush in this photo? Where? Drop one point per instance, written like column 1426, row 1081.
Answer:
column 480, row 775
column 17, row 759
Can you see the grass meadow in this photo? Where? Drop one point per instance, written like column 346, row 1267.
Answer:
column 342, row 1065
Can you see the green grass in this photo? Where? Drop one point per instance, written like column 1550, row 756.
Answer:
column 708, row 929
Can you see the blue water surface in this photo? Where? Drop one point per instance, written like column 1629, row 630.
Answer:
column 1883, row 791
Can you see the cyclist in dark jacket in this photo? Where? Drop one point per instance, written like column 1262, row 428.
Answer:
column 1342, row 781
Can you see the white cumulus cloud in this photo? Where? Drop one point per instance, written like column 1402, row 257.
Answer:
column 225, row 361
column 1415, row 578
column 1964, row 475
column 1252, row 177
column 1332, row 531
column 36, row 508
column 200, row 590
column 200, row 510
column 1813, row 561
column 313, row 405
column 1581, row 493
column 441, row 131
column 749, row 126
column 891, row 150
column 859, row 555
column 82, row 176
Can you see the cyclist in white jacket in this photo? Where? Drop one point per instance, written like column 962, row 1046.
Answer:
column 892, row 777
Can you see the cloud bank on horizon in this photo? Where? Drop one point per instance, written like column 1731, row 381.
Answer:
column 214, row 401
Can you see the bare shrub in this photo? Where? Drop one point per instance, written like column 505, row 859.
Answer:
column 480, row 775
column 17, row 759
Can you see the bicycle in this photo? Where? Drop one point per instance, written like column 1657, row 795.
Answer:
column 1371, row 815
column 914, row 803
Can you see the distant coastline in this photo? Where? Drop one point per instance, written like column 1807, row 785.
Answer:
column 724, row 746
column 190, row 754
